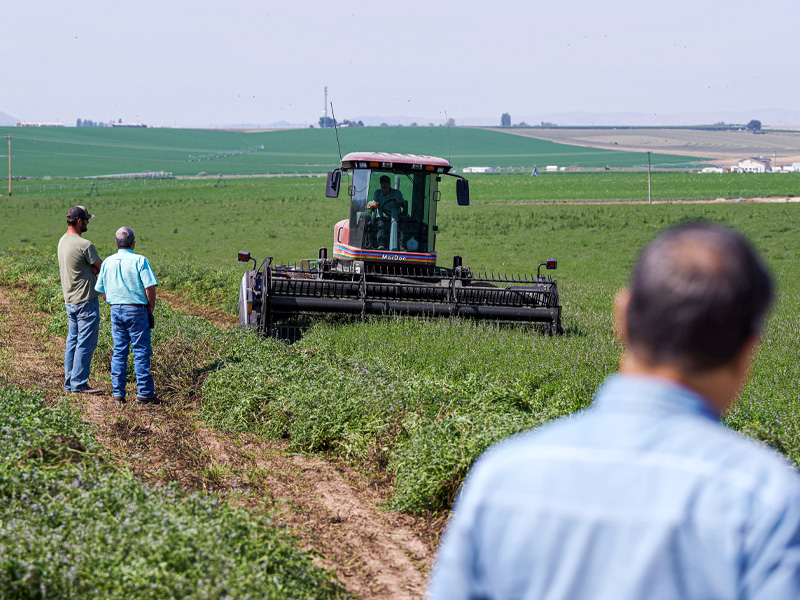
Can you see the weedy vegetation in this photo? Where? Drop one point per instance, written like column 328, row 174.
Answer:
column 414, row 403
column 410, row 403
column 73, row 525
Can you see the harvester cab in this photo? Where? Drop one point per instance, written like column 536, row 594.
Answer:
column 393, row 201
column 384, row 259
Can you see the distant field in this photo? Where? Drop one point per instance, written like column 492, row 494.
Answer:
column 87, row 151
column 193, row 222
column 725, row 146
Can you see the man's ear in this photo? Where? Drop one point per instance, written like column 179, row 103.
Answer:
column 620, row 314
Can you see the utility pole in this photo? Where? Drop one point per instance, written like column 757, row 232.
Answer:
column 649, row 194
column 325, row 107
column 9, row 165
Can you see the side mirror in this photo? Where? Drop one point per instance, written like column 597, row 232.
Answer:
column 332, row 186
column 462, row 192
column 244, row 256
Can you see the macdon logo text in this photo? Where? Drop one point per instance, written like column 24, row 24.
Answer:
column 392, row 257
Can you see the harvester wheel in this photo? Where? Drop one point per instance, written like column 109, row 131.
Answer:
column 248, row 313
column 554, row 328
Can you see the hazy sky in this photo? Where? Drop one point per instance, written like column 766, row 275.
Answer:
column 206, row 63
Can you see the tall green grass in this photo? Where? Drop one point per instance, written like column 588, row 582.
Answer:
column 187, row 227
column 421, row 400
column 74, row 526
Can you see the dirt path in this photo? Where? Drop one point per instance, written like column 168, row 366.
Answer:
column 331, row 508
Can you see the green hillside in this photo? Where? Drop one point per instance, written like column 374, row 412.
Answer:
column 86, row 151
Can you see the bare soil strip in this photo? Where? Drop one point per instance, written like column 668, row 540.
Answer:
column 773, row 200
column 724, row 147
column 331, row 508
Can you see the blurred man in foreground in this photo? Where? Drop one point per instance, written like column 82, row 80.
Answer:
column 645, row 495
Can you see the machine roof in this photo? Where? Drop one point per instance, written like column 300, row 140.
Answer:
column 393, row 160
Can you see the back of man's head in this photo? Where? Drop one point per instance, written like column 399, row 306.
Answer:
column 124, row 237
column 699, row 293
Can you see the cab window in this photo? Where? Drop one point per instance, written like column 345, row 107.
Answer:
column 389, row 211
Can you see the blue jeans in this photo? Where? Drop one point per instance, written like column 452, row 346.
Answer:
column 83, row 324
column 130, row 329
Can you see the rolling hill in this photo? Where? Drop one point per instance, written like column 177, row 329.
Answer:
column 81, row 152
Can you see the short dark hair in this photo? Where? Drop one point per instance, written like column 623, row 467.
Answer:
column 698, row 293
column 385, row 178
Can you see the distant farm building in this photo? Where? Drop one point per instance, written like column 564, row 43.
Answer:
column 754, row 165
column 551, row 168
column 40, row 124
column 712, row 170
column 480, row 170
column 128, row 125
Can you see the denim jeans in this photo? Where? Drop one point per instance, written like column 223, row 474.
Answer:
column 83, row 324
column 130, row 329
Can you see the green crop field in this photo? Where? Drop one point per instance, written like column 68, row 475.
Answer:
column 91, row 151
column 419, row 400
column 410, row 401
column 197, row 224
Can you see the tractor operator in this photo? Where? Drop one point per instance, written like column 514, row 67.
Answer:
column 645, row 494
column 390, row 204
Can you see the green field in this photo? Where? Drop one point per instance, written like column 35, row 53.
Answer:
column 74, row 525
column 91, row 151
column 418, row 400
column 410, row 403
column 193, row 223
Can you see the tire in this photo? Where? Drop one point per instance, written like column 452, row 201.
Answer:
column 247, row 295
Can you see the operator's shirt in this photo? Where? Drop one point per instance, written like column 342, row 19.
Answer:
column 645, row 495
column 124, row 277
column 75, row 259
column 388, row 201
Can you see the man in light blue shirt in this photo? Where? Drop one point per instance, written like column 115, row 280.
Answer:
column 645, row 495
column 128, row 284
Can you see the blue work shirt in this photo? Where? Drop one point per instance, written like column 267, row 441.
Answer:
column 124, row 276
column 644, row 495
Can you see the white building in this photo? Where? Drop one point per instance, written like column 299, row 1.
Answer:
column 479, row 170
column 754, row 165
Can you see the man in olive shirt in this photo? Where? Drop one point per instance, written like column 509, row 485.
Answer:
column 78, row 265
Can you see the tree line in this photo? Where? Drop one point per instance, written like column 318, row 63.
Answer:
column 90, row 123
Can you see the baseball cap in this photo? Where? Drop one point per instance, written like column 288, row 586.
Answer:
column 79, row 212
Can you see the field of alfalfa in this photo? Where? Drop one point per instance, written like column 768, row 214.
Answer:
column 412, row 402
column 419, row 400
column 95, row 151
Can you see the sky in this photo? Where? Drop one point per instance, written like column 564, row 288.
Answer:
column 211, row 64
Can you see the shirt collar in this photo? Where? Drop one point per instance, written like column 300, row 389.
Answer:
column 124, row 250
column 642, row 393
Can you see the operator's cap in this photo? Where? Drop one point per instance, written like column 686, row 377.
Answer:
column 79, row 212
